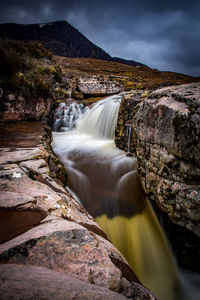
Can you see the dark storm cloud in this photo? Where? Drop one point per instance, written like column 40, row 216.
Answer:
column 161, row 34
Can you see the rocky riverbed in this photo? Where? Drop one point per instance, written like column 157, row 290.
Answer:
column 50, row 245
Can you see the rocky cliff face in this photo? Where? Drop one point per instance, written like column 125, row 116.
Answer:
column 167, row 141
column 165, row 138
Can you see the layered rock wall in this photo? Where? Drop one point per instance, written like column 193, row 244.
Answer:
column 166, row 140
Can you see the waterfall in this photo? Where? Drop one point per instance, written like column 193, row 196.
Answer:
column 100, row 121
column 105, row 181
column 66, row 116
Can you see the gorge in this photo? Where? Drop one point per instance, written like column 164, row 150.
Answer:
column 96, row 169
column 105, row 181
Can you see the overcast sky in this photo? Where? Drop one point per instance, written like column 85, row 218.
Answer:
column 163, row 34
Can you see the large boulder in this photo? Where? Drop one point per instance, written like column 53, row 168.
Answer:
column 167, row 139
column 93, row 86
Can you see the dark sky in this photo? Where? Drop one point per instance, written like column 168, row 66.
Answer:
column 164, row 34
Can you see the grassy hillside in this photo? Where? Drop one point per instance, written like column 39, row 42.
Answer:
column 28, row 68
column 139, row 77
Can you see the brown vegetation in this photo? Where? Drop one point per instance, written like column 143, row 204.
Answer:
column 139, row 77
column 30, row 69
column 27, row 67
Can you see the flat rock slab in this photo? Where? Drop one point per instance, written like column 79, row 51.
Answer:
column 16, row 181
column 31, row 282
column 9, row 171
column 188, row 92
column 22, row 134
column 37, row 166
column 167, row 141
column 12, row 200
column 20, row 154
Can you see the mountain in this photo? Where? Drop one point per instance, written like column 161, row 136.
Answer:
column 60, row 38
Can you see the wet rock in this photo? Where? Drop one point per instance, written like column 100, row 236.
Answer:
column 135, row 290
column 50, row 182
column 93, row 86
column 166, row 136
column 119, row 261
column 16, row 181
column 22, row 141
column 11, row 171
column 15, row 222
column 77, row 95
column 31, row 282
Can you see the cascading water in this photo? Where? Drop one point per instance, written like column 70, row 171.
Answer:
column 106, row 183
column 66, row 116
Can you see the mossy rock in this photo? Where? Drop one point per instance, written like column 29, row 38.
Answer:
column 77, row 95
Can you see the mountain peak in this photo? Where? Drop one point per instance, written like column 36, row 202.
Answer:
column 60, row 37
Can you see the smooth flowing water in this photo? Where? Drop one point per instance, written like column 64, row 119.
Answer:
column 106, row 183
